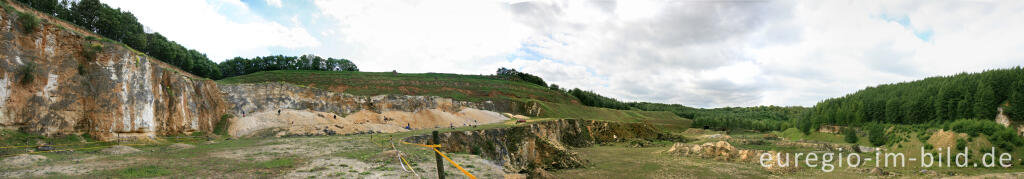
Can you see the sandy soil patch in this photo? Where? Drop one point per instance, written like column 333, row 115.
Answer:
column 944, row 138
column 179, row 146
column 119, row 150
column 304, row 122
column 77, row 166
column 21, row 160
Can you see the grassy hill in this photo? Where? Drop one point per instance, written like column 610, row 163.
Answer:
column 459, row 87
column 553, row 103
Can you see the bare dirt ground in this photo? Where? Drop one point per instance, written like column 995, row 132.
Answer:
column 303, row 122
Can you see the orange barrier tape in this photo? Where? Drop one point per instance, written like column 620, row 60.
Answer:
column 435, row 147
column 455, row 164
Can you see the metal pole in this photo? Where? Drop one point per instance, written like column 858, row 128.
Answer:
column 440, row 163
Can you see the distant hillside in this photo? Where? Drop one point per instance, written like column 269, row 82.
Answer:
column 460, row 87
column 539, row 101
column 931, row 100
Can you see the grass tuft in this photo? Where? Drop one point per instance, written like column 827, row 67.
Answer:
column 28, row 22
column 148, row 171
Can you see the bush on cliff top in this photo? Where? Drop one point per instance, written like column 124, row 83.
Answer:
column 28, row 22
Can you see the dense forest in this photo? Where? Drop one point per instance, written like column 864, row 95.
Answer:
column 762, row 118
column 124, row 28
column 241, row 66
column 931, row 100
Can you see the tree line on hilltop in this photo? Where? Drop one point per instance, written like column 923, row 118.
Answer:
column 124, row 28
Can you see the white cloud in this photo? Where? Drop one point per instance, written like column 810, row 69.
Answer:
column 440, row 36
column 275, row 3
column 200, row 25
column 696, row 53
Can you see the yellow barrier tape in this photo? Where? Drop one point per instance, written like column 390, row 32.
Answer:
column 435, row 147
column 424, row 145
column 455, row 164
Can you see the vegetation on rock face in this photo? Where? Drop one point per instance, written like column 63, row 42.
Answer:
column 28, row 22
column 90, row 50
column 222, row 125
column 26, row 72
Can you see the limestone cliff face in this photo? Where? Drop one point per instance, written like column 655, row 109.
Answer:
column 252, row 98
column 119, row 92
column 539, row 146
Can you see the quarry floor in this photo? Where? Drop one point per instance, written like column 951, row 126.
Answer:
column 372, row 156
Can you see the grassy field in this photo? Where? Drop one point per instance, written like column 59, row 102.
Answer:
column 617, row 161
column 460, row 87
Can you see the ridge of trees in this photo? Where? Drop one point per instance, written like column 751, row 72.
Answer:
column 241, row 66
column 512, row 74
column 762, row 118
column 930, row 100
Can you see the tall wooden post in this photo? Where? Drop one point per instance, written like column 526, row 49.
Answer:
column 440, row 163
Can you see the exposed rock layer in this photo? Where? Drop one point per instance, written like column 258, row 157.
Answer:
column 119, row 92
column 251, row 98
column 540, row 146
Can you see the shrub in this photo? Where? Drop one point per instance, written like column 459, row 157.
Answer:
column 850, row 135
column 91, row 50
column 974, row 127
column 876, row 135
column 81, row 69
column 26, row 72
column 1005, row 139
column 961, row 143
column 28, row 22
column 222, row 126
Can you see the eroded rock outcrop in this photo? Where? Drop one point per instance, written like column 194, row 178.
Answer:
column 536, row 147
column 724, row 151
column 287, row 109
column 251, row 98
column 112, row 92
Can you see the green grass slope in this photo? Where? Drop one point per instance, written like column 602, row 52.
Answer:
column 552, row 103
column 459, row 87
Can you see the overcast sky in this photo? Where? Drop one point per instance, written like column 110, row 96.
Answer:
column 700, row 53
